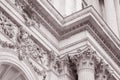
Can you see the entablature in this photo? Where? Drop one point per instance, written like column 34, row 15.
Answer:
column 91, row 25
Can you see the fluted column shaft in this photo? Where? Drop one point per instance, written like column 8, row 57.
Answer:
column 86, row 71
column 117, row 7
column 86, row 67
column 69, row 7
column 111, row 18
column 78, row 5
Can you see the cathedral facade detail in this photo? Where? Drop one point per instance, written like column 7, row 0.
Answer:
column 49, row 40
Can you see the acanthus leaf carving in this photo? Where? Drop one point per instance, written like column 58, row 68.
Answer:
column 27, row 13
column 41, row 73
column 102, row 71
column 7, row 27
column 5, row 44
column 58, row 66
column 28, row 49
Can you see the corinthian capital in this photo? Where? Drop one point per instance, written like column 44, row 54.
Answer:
column 84, row 59
column 102, row 72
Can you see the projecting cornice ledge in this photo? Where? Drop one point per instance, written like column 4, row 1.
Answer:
column 72, row 24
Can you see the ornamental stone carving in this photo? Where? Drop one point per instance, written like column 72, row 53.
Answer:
column 29, row 49
column 87, row 58
column 57, row 66
column 5, row 44
column 87, row 63
column 6, row 26
column 102, row 72
column 27, row 13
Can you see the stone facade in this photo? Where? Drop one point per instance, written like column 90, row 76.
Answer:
column 42, row 40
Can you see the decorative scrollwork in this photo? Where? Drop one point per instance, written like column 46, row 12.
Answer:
column 39, row 72
column 102, row 72
column 5, row 44
column 27, row 13
column 6, row 26
column 86, row 59
column 29, row 49
column 58, row 66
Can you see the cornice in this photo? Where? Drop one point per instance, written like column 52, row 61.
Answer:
column 71, row 22
column 105, row 35
column 70, row 25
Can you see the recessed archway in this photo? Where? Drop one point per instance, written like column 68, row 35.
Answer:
column 11, row 68
column 10, row 71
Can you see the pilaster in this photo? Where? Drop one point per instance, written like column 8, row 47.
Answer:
column 111, row 17
column 117, row 8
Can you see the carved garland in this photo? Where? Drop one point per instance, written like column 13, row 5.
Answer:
column 5, row 44
column 6, row 26
column 27, row 48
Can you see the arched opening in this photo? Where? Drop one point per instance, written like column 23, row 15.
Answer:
column 10, row 71
column 13, row 68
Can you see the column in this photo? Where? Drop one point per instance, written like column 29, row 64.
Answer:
column 67, row 74
column 78, row 5
column 111, row 16
column 94, row 3
column 60, row 6
column 69, row 7
column 117, row 7
column 86, row 67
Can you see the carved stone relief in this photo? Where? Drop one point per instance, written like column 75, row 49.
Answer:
column 5, row 44
column 27, row 13
column 88, row 59
column 102, row 71
column 6, row 26
column 27, row 48
column 58, row 66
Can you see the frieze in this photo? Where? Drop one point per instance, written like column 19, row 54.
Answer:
column 105, row 44
column 24, row 47
column 63, row 33
column 30, row 14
